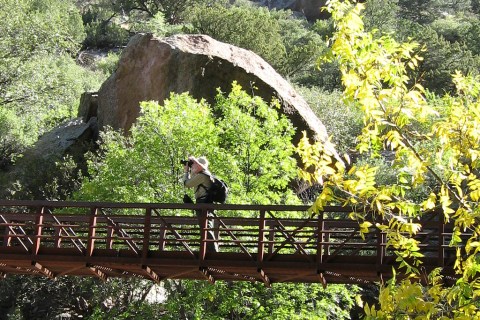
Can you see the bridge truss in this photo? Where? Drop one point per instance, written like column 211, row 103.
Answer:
column 165, row 241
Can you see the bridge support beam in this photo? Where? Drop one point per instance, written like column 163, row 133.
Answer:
column 43, row 270
column 322, row 279
column 264, row 277
column 98, row 273
column 152, row 274
column 206, row 274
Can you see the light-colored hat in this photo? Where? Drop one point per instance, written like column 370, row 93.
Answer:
column 202, row 161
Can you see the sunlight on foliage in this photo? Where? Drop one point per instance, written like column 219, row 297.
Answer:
column 248, row 145
column 435, row 142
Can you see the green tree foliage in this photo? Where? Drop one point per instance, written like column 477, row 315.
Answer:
column 104, row 25
column 249, row 145
column 381, row 15
column 430, row 137
column 24, row 297
column 244, row 300
column 460, row 29
column 442, row 59
column 287, row 43
column 239, row 25
column 427, row 11
column 110, row 23
column 40, row 84
column 254, row 155
column 342, row 123
column 449, row 34
column 11, row 135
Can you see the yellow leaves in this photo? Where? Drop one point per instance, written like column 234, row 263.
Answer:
column 408, row 296
column 474, row 186
column 364, row 228
column 409, row 300
column 470, row 245
column 393, row 140
column 365, row 182
column 445, row 202
column 447, row 149
column 430, row 202
column 379, row 200
column 385, row 298
column 318, row 161
column 322, row 200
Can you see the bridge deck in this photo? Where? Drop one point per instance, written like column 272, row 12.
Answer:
column 165, row 241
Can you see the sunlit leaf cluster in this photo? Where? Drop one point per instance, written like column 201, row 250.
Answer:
column 435, row 143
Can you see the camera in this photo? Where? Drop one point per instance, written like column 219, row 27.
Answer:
column 187, row 162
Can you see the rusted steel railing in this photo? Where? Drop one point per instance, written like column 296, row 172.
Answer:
column 267, row 243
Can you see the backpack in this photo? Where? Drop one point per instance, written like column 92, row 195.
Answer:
column 218, row 191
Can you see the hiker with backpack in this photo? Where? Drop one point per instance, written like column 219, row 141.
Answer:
column 198, row 177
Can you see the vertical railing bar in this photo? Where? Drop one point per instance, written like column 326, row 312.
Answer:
column 6, row 237
column 261, row 239
column 230, row 233
column 146, row 234
column 441, row 249
column 12, row 232
column 163, row 231
column 320, row 226
column 80, row 246
column 109, row 239
column 203, row 234
column 380, row 247
column 92, row 230
column 58, row 236
column 271, row 239
column 38, row 232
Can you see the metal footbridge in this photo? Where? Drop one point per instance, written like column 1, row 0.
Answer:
column 157, row 241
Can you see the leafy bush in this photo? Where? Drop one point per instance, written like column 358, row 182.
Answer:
column 156, row 25
column 288, row 43
column 40, row 82
column 11, row 137
column 101, row 34
column 240, row 25
column 442, row 59
column 343, row 123
column 249, row 146
column 109, row 64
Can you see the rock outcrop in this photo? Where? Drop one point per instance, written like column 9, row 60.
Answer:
column 151, row 68
column 38, row 164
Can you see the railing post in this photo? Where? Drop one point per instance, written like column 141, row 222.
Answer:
column 161, row 240
column 38, row 231
column 271, row 239
column 320, row 239
column 203, row 233
column 6, row 237
column 380, row 250
column 58, row 236
column 109, row 239
column 146, row 234
column 320, row 226
column 441, row 249
column 261, row 239
column 92, row 230
column 326, row 246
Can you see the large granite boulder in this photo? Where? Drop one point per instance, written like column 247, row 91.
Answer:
column 151, row 68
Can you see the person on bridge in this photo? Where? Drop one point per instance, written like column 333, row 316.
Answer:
column 197, row 176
